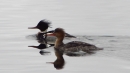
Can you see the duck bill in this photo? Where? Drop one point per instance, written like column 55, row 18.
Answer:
column 50, row 62
column 50, row 34
column 32, row 28
column 33, row 46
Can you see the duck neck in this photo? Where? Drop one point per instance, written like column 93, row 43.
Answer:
column 44, row 31
column 58, row 42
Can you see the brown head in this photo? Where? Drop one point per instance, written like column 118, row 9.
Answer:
column 59, row 32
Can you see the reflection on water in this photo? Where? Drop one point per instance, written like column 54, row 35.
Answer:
column 41, row 47
column 59, row 62
column 79, row 17
column 115, row 46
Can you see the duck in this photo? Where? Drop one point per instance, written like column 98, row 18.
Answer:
column 43, row 26
column 73, row 46
column 59, row 62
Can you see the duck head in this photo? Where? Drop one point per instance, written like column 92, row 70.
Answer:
column 42, row 25
column 58, row 32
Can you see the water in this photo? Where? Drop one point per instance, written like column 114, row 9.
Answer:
column 103, row 23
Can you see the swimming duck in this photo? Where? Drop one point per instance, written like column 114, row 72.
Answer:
column 73, row 46
column 43, row 27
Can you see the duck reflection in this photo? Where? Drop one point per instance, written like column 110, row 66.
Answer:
column 41, row 47
column 59, row 62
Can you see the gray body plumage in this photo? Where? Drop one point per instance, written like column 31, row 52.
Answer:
column 76, row 46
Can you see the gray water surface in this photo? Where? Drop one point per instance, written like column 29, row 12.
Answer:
column 102, row 23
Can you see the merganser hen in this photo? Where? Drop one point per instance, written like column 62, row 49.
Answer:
column 73, row 46
column 59, row 62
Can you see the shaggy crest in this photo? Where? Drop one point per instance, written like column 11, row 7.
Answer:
column 57, row 30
